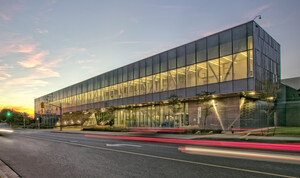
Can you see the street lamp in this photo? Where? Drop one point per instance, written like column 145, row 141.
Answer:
column 258, row 16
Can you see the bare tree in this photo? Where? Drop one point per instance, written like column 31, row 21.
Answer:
column 204, row 98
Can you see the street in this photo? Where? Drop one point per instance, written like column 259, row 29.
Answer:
column 41, row 153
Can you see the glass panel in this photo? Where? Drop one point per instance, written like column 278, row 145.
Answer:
column 120, row 75
column 213, row 46
column 130, row 88
column 163, row 62
column 172, row 59
column 172, row 80
column 149, row 66
column 143, row 86
column 213, row 71
column 191, row 76
column 190, row 53
column 142, row 68
column 136, row 84
column 250, row 42
column 240, row 65
column 116, row 94
column 120, row 90
column 124, row 69
column 164, row 81
column 239, row 38
column 225, row 43
column 115, row 77
column 226, row 68
column 181, row 56
column 125, row 89
column 156, row 66
column 181, row 77
column 111, row 92
column 149, row 84
column 130, row 72
column 250, row 63
column 136, row 70
column 202, row 73
column 201, row 50
column 156, row 83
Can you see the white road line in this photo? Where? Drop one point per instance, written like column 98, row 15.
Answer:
column 123, row 145
column 165, row 158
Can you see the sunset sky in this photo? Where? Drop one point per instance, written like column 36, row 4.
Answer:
column 48, row 45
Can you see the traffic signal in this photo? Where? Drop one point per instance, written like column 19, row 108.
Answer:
column 42, row 105
column 8, row 114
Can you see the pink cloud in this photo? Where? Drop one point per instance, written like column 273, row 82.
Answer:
column 17, row 48
column 254, row 12
column 40, row 31
column 33, row 60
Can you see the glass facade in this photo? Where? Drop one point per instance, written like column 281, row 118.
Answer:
column 238, row 54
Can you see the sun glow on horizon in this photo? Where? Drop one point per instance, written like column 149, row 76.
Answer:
column 29, row 111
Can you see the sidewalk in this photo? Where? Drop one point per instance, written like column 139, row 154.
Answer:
column 6, row 172
column 226, row 136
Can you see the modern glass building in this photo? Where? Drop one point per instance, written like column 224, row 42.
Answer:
column 233, row 64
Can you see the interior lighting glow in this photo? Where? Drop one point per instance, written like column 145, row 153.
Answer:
column 252, row 93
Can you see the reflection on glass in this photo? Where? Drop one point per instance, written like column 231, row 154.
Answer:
column 143, row 86
column 250, row 64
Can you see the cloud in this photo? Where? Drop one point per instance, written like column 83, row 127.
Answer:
column 40, row 31
column 17, row 48
column 33, row 60
column 254, row 12
column 9, row 8
column 85, row 61
column 121, row 32
column 3, row 71
column 129, row 42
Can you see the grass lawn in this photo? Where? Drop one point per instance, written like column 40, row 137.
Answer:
column 287, row 131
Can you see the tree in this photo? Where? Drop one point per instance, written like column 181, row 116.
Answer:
column 205, row 99
column 14, row 118
column 269, row 94
column 174, row 104
column 107, row 117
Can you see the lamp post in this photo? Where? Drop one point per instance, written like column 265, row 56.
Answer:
column 258, row 16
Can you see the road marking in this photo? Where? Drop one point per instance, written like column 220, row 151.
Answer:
column 165, row 158
column 123, row 145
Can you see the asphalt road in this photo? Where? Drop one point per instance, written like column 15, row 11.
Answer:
column 38, row 153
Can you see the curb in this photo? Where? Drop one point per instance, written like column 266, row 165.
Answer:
column 6, row 171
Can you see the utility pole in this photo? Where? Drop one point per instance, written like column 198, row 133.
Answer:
column 24, row 120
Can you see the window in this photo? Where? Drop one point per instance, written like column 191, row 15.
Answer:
column 239, row 38
column 226, row 68
column 120, row 75
column 181, row 77
column 124, row 71
column 225, row 43
column 213, row 46
column 130, row 72
column 125, row 89
column 164, row 81
column 149, row 84
column 130, row 88
column 240, row 65
column 250, row 63
column 172, row 80
column 163, row 62
column 149, row 66
column 180, row 56
column 136, row 84
column 213, row 71
column 136, row 70
column 143, row 86
column 172, row 59
column 191, row 76
column 142, row 68
column 201, row 50
column 156, row 83
column 190, row 53
column 202, row 73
